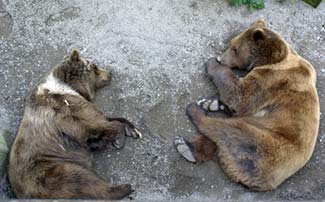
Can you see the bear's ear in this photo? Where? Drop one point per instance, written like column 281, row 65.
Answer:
column 259, row 34
column 259, row 23
column 74, row 55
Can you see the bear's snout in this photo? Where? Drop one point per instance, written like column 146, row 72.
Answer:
column 103, row 77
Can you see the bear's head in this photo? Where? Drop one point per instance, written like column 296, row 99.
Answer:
column 256, row 46
column 82, row 75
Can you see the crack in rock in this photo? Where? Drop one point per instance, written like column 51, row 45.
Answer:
column 66, row 14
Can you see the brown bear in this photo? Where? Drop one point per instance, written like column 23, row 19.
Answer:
column 273, row 110
column 50, row 155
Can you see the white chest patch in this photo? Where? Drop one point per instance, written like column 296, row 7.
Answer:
column 55, row 86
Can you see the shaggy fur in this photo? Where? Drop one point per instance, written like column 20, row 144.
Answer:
column 50, row 156
column 272, row 131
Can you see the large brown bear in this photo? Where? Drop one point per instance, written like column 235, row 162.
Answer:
column 274, row 111
column 50, row 155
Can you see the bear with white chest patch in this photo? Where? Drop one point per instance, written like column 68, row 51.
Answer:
column 50, row 156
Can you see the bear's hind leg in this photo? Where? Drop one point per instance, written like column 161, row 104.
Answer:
column 240, row 147
column 71, row 181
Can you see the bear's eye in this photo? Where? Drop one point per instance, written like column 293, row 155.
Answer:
column 94, row 68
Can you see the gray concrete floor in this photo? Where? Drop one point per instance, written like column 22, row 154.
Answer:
column 156, row 50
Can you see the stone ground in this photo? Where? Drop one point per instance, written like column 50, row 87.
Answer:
column 156, row 50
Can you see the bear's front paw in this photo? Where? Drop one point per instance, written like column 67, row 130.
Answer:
column 118, row 192
column 195, row 113
column 212, row 67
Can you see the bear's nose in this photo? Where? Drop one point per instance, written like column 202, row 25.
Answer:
column 108, row 76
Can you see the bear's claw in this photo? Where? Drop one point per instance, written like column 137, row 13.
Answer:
column 119, row 141
column 200, row 102
column 117, row 144
column 135, row 133
column 138, row 133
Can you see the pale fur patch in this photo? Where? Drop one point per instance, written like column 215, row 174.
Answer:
column 54, row 86
column 260, row 113
column 38, row 117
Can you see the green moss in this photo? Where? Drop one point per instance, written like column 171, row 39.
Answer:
column 259, row 4
column 313, row 3
column 251, row 4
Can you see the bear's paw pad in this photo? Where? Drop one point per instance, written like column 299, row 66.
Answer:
column 210, row 105
column 183, row 149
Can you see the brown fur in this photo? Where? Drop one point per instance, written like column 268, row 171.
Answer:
column 50, row 156
column 273, row 131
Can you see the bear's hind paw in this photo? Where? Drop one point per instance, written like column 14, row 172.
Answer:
column 183, row 149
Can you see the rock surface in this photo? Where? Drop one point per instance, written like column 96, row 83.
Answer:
column 6, row 21
column 156, row 50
